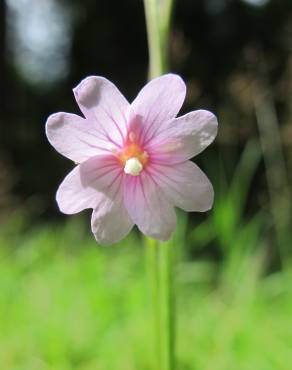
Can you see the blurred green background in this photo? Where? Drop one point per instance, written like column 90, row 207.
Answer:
column 66, row 303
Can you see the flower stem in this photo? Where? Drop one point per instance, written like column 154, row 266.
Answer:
column 158, row 16
column 160, row 259
column 167, row 304
column 160, row 265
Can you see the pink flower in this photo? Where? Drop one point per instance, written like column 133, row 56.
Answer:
column 132, row 159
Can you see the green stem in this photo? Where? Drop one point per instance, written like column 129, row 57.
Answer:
column 160, row 268
column 167, row 304
column 158, row 14
column 153, row 273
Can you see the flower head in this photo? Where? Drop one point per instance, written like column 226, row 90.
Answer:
column 132, row 159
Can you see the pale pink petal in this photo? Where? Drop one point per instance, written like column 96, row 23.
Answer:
column 102, row 103
column 101, row 172
column 159, row 101
column 184, row 137
column 184, row 185
column 148, row 208
column 85, row 185
column 110, row 220
column 72, row 196
column 75, row 137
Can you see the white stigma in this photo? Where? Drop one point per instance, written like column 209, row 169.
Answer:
column 133, row 167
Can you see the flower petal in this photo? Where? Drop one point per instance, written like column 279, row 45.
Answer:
column 84, row 186
column 110, row 220
column 72, row 196
column 75, row 137
column 148, row 208
column 159, row 101
column 184, row 185
column 102, row 102
column 184, row 137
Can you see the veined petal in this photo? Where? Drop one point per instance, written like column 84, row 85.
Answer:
column 75, row 137
column 101, row 172
column 158, row 102
column 184, row 185
column 101, row 102
column 184, row 137
column 110, row 220
column 87, row 183
column 148, row 208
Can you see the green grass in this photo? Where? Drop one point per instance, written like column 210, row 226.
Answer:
column 66, row 304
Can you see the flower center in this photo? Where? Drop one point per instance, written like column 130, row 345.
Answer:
column 133, row 167
column 132, row 157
